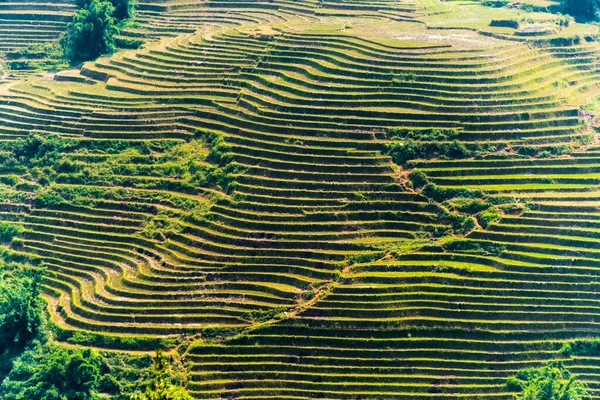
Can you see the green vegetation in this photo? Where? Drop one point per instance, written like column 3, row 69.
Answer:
column 123, row 9
column 91, row 32
column 52, row 372
column 21, row 311
column 410, row 149
column 586, row 9
column 552, row 382
column 164, row 384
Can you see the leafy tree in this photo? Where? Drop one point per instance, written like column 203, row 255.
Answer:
column 52, row 372
column 90, row 33
column 164, row 385
column 586, row 9
column 552, row 382
column 21, row 309
column 124, row 9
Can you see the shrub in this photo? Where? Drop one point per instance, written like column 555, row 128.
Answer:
column 469, row 205
column 552, row 382
column 401, row 152
column 40, row 150
column 473, row 246
column 440, row 194
column 489, row 216
column 457, row 150
column 430, row 135
column 506, row 23
column 91, row 33
column 8, row 230
column 409, row 149
column 495, row 3
column 164, row 385
column 48, row 199
column 417, row 178
column 581, row 348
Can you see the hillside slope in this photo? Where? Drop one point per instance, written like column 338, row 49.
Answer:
column 244, row 179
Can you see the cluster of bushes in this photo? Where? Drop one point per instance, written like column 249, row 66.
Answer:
column 222, row 171
column 47, row 56
column 587, row 348
column 160, row 227
column 164, row 385
column 552, row 382
column 45, row 159
column 426, row 135
column 189, row 162
column 403, row 151
column 474, row 247
column 21, row 310
column 9, row 230
column 40, row 157
column 264, row 315
column 544, row 152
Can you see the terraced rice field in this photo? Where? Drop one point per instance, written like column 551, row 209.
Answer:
column 317, row 264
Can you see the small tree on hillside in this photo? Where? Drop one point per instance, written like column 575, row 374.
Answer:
column 552, row 382
column 90, row 33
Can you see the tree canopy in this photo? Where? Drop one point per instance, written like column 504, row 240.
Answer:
column 91, row 32
column 123, row 9
column 21, row 310
column 584, row 9
column 51, row 372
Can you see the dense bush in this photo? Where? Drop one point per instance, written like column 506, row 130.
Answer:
column 91, row 33
column 40, row 150
column 585, row 348
column 417, row 178
column 409, row 149
column 440, row 194
column 552, row 382
column 460, row 223
column 469, row 205
column 33, row 367
column 21, row 310
column 489, row 216
column 53, row 372
column 8, row 231
column 165, row 385
column 474, row 246
column 424, row 135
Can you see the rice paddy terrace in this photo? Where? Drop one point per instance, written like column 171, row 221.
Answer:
column 232, row 181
